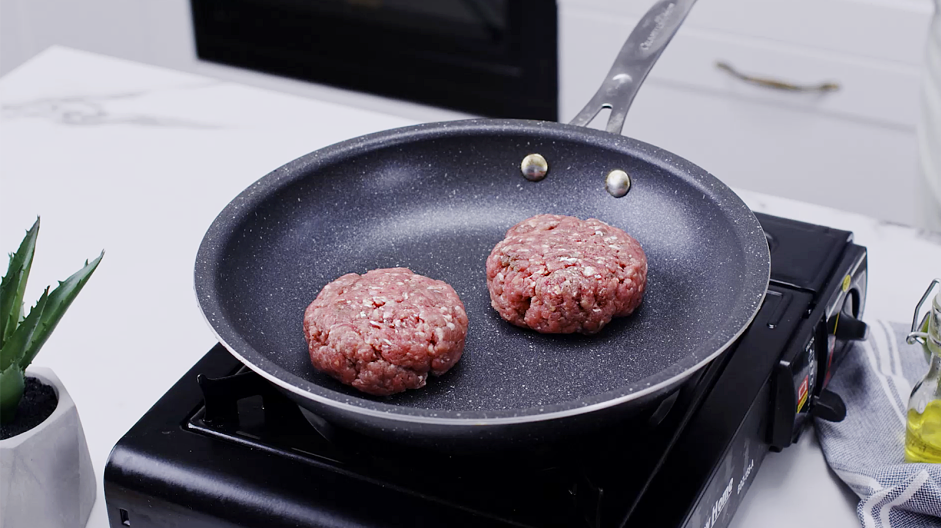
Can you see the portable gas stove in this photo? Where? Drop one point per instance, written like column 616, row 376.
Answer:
column 223, row 448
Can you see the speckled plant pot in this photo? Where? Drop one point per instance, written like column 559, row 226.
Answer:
column 46, row 475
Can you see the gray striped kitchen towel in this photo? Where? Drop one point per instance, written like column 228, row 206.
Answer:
column 867, row 449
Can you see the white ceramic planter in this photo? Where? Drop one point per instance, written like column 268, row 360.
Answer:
column 46, row 475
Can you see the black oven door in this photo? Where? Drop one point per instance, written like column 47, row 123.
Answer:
column 492, row 58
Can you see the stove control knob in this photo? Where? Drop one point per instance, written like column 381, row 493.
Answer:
column 828, row 406
column 847, row 328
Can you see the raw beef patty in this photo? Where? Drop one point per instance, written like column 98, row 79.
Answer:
column 384, row 331
column 559, row 274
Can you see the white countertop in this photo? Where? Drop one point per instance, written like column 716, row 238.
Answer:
column 138, row 161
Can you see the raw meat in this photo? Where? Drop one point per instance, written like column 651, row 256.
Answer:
column 561, row 274
column 385, row 331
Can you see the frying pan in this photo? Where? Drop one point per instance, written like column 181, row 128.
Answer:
column 436, row 198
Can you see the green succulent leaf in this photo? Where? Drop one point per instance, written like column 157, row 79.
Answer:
column 15, row 348
column 13, row 285
column 59, row 301
column 12, row 384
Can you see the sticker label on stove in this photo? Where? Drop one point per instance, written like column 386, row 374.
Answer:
column 802, row 393
column 748, row 468
column 720, row 504
column 748, row 464
column 733, row 474
column 811, row 351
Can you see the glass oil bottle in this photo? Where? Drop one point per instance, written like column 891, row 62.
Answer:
column 923, row 432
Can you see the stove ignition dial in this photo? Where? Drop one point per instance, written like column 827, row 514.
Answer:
column 844, row 325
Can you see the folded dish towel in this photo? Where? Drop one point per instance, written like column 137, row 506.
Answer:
column 867, row 449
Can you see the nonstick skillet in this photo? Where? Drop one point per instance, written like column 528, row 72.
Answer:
column 436, row 198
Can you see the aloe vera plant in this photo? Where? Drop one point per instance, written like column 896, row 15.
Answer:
column 21, row 334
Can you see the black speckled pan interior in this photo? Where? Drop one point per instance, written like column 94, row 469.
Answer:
column 436, row 198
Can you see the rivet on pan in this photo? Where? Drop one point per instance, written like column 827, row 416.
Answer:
column 617, row 183
column 534, row 167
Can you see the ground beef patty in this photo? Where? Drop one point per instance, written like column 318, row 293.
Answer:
column 559, row 274
column 384, row 331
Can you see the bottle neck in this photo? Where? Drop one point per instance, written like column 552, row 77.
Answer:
column 934, row 367
column 933, row 341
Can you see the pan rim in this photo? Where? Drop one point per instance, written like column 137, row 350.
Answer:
column 757, row 280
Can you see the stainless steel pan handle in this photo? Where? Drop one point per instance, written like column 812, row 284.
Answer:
column 638, row 55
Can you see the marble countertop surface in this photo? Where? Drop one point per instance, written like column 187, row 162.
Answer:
column 138, row 160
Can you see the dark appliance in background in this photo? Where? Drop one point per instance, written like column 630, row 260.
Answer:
column 224, row 448
column 490, row 58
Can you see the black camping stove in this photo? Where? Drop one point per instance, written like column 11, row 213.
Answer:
column 223, row 448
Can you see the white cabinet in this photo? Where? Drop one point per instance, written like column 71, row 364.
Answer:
column 853, row 148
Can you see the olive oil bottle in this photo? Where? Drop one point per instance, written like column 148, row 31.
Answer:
column 923, row 435
column 923, row 432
